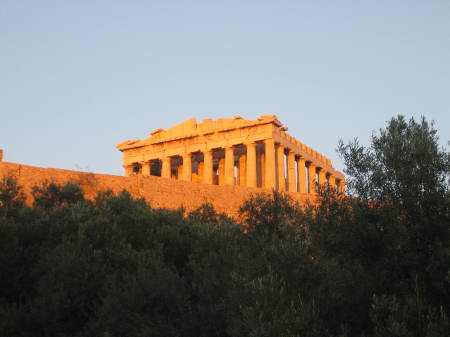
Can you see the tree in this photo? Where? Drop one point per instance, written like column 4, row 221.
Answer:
column 404, row 175
column 372, row 263
column 12, row 199
column 403, row 164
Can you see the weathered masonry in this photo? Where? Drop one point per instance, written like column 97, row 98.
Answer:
column 237, row 151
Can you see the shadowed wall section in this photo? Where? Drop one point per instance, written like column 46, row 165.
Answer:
column 157, row 191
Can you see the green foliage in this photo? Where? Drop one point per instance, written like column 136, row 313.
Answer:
column 413, row 317
column 51, row 195
column 12, row 199
column 270, row 216
column 147, row 301
column 403, row 164
column 376, row 263
column 406, row 175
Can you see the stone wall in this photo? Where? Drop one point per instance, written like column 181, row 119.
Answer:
column 158, row 192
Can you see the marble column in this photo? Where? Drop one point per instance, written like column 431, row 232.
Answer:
column 221, row 177
column 187, row 167
column 291, row 172
column 341, row 186
column 262, row 167
column 301, row 175
column 200, row 171
column 145, row 167
column 281, row 169
column 332, row 183
column 166, row 167
column 243, row 170
column 180, row 172
column 229, row 166
column 269, row 164
column 322, row 179
column 251, row 165
column 312, row 178
column 208, row 167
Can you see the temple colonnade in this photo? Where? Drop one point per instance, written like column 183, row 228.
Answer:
column 265, row 164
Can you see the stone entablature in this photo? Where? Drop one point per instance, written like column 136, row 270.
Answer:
column 237, row 151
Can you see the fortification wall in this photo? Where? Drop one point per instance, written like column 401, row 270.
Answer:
column 158, row 192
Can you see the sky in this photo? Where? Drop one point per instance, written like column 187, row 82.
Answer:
column 79, row 77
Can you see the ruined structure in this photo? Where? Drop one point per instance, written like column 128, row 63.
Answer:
column 222, row 162
column 251, row 153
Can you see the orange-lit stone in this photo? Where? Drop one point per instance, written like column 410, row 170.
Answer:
column 251, row 165
column 301, row 173
column 241, row 151
column 269, row 165
column 312, row 178
column 291, row 172
column 243, row 156
column 281, row 185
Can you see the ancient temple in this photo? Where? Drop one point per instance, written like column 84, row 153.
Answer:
column 235, row 151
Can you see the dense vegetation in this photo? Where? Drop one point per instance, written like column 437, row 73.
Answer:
column 376, row 263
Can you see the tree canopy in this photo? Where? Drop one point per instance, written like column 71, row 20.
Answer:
column 374, row 262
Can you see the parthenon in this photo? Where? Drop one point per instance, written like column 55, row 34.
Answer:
column 232, row 151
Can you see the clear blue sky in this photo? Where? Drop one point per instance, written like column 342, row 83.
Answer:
column 78, row 77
